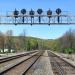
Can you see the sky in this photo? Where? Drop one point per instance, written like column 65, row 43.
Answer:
column 44, row 31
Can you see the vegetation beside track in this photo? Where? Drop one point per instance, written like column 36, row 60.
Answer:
column 64, row 44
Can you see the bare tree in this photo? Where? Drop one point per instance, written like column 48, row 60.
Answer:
column 67, row 40
column 2, row 41
column 17, row 45
column 9, row 40
column 22, row 39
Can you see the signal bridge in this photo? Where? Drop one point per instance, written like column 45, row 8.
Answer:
column 38, row 17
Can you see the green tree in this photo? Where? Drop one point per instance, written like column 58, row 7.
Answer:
column 28, row 45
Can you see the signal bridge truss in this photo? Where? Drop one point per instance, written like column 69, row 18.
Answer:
column 37, row 19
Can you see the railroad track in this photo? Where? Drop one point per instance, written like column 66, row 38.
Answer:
column 5, row 59
column 60, row 66
column 22, row 66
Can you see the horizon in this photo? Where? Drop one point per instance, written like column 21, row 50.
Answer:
column 57, row 31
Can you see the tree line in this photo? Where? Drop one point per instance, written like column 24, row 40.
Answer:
column 16, row 43
column 20, row 43
column 66, row 43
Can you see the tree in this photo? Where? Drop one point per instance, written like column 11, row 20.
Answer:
column 22, row 39
column 17, row 45
column 34, row 44
column 67, row 41
column 28, row 45
column 2, row 41
column 9, row 40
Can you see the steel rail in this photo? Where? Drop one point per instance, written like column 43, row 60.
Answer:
column 15, row 57
column 58, row 64
column 6, row 70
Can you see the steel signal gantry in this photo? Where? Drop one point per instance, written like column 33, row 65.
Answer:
column 38, row 17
